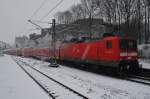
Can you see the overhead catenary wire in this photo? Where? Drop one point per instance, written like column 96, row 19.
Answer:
column 38, row 9
column 48, row 12
column 52, row 9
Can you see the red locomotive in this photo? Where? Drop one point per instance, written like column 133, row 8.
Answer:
column 110, row 51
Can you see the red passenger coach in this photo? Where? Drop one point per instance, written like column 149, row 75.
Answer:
column 27, row 52
column 41, row 52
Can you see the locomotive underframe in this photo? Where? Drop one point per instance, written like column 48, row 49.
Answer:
column 130, row 66
column 124, row 65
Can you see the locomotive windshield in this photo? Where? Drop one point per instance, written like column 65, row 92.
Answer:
column 128, row 44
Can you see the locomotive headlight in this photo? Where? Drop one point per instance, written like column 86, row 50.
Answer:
column 128, row 54
column 133, row 54
column 123, row 54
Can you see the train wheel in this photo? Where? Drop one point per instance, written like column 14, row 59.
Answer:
column 135, row 69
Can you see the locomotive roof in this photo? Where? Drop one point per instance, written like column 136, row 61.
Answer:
column 118, row 37
column 87, row 39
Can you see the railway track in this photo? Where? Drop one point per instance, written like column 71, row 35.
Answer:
column 52, row 87
column 139, row 79
column 133, row 78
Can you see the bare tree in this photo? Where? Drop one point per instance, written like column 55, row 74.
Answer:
column 67, row 17
column 127, row 7
column 78, row 12
column 128, row 16
column 91, row 8
column 148, row 16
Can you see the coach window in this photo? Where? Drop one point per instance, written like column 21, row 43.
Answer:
column 109, row 44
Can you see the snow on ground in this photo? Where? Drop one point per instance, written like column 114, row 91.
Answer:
column 52, row 87
column 145, row 63
column 93, row 85
column 15, row 84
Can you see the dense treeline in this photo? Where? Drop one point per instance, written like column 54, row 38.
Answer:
column 128, row 16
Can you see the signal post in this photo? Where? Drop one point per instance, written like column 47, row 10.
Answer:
column 53, row 43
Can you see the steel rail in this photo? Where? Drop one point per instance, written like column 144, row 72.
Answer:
column 42, row 87
column 79, row 94
column 138, row 79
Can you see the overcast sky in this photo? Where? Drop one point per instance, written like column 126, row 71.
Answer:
column 15, row 13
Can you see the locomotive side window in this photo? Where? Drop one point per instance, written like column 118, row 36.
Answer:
column 109, row 44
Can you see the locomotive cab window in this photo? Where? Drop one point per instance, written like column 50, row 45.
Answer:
column 128, row 44
column 109, row 44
